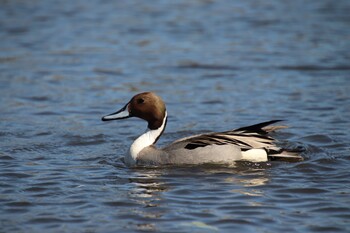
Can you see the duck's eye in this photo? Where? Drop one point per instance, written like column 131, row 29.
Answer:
column 140, row 101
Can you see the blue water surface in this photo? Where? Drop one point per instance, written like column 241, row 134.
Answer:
column 218, row 65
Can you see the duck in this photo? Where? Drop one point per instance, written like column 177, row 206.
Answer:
column 250, row 143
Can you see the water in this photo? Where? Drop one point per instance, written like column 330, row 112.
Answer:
column 218, row 65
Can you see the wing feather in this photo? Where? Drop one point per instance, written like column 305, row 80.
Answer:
column 245, row 138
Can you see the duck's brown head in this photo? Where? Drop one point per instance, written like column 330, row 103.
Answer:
column 147, row 106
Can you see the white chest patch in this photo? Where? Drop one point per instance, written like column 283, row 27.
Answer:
column 145, row 140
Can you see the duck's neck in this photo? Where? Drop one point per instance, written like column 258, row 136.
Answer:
column 150, row 137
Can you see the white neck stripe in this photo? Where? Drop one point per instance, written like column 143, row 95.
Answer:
column 146, row 139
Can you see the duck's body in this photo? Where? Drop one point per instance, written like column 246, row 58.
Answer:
column 250, row 143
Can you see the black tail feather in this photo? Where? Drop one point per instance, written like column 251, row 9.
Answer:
column 287, row 155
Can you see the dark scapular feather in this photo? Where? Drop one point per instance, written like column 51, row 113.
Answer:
column 257, row 128
column 236, row 137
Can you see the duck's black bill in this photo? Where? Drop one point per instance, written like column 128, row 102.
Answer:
column 121, row 114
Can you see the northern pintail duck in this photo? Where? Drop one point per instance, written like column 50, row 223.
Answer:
column 251, row 143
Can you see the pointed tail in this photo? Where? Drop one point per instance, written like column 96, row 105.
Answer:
column 287, row 156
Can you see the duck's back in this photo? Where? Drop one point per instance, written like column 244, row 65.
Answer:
column 177, row 154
